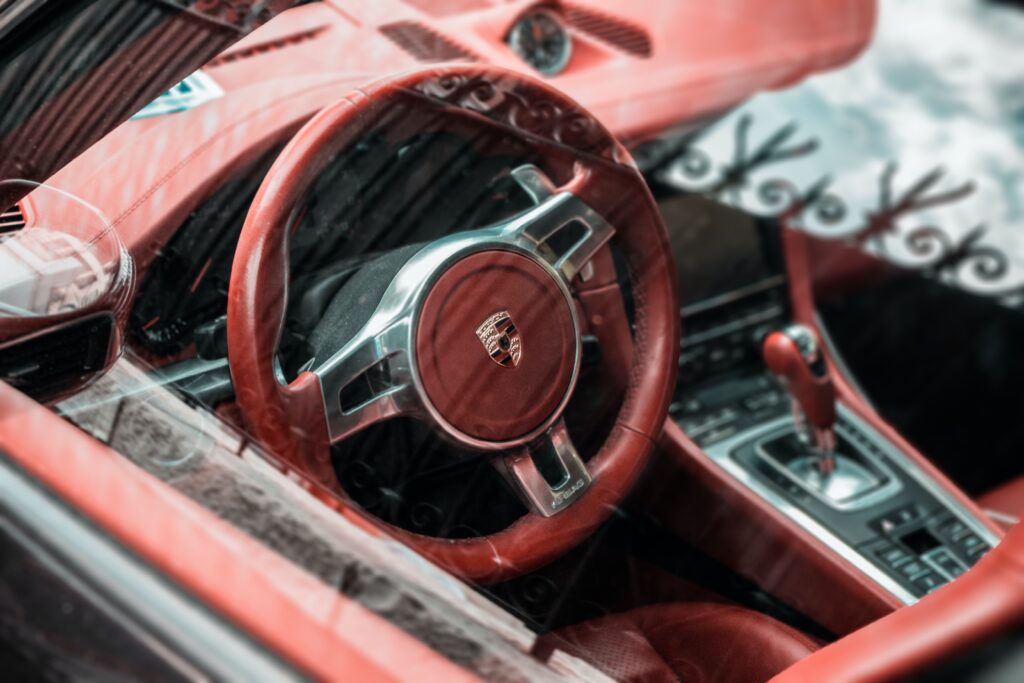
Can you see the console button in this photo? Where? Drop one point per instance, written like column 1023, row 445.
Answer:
column 716, row 434
column 717, row 356
column 928, row 582
column 907, row 514
column 892, row 555
column 972, row 558
column 948, row 563
column 971, row 543
column 953, row 528
column 895, row 519
column 759, row 402
column 691, row 406
column 912, row 569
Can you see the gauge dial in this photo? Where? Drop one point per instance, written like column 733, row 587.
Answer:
column 540, row 39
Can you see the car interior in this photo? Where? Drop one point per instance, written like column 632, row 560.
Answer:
column 455, row 305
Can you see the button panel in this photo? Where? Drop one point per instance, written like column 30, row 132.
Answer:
column 927, row 582
column 740, row 405
column 890, row 521
column 924, row 553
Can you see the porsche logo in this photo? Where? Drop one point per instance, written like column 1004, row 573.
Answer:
column 500, row 338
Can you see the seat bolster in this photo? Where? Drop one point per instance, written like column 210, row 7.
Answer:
column 686, row 641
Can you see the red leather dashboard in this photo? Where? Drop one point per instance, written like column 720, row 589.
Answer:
column 641, row 66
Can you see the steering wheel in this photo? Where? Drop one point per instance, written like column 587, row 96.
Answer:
column 477, row 333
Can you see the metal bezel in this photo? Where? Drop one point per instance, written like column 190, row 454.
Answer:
column 872, row 497
column 566, row 56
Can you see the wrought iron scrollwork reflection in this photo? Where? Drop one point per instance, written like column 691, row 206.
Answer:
column 686, row 165
column 971, row 262
column 884, row 219
column 902, row 226
column 736, row 174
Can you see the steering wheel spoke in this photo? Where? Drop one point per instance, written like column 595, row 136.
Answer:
column 368, row 381
column 561, row 228
column 550, row 487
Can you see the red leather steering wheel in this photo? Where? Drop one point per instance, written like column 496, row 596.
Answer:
column 478, row 333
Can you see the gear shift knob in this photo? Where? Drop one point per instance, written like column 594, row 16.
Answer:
column 794, row 355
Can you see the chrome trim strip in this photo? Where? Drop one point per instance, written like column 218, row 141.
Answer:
column 1001, row 517
column 734, row 295
column 763, row 315
column 549, row 499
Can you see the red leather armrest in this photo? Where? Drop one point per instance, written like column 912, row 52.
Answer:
column 982, row 604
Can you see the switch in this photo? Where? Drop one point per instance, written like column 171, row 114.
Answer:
column 928, row 582
column 912, row 569
column 892, row 555
column 953, row 529
column 943, row 560
column 971, row 543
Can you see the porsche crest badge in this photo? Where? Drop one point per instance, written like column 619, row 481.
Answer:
column 500, row 338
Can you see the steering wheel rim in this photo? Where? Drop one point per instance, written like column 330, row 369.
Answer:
column 294, row 421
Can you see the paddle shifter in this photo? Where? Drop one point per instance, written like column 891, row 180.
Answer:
column 794, row 355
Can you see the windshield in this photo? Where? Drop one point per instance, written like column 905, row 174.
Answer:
column 533, row 328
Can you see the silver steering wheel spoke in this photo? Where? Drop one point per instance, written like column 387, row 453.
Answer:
column 368, row 380
column 568, row 477
column 561, row 228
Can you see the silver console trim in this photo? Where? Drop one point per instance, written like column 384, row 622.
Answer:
column 881, row 494
column 763, row 315
column 720, row 455
column 734, row 295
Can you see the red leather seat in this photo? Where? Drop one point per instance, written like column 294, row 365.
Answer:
column 686, row 641
column 1005, row 504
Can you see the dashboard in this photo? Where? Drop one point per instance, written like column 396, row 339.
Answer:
column 178, row 177
column 179, row 221
column 733, row 285
column 175, row 177
column 178, row 209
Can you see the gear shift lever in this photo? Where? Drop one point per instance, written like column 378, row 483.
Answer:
column 794, row 355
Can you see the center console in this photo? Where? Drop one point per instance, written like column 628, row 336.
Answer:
column 874, row 506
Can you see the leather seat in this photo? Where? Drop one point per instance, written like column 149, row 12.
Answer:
column 692, row 642
column 1005, row 504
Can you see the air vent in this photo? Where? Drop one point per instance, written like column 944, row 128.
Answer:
column 620, row 34
column 48, row 365
column 12, row 219
column 425, row 45
column 263, row 48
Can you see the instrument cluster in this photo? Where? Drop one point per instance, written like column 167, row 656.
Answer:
column 541, row 39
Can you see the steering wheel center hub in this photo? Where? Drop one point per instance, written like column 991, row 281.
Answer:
column 497, row 346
